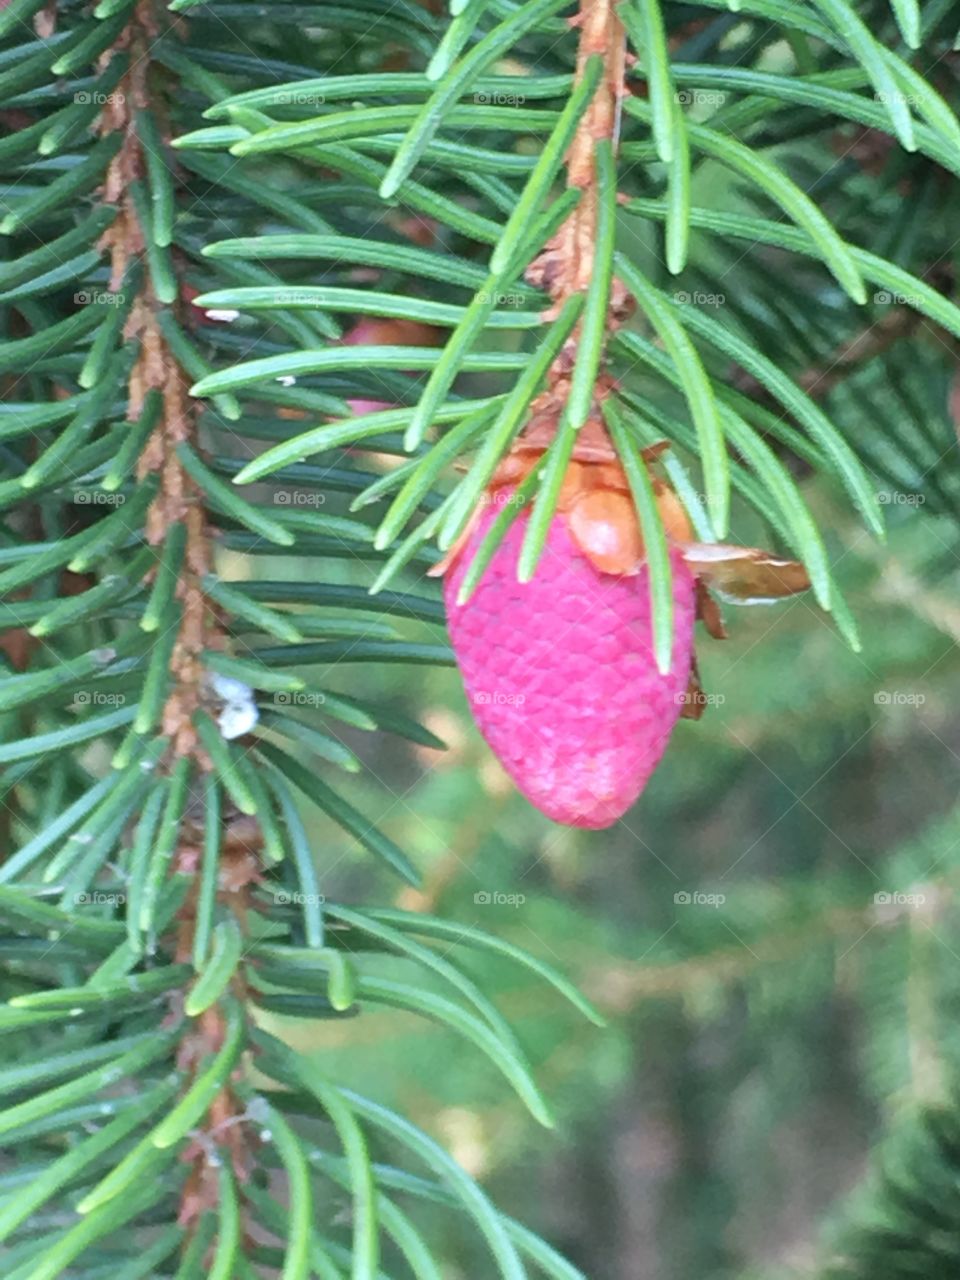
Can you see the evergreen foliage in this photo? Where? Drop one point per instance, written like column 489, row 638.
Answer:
column 199, row 202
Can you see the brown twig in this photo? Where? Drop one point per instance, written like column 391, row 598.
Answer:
column 601, row 33
column 179, row 501
column 566, row 265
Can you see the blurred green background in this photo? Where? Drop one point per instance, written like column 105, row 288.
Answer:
column 770, row 931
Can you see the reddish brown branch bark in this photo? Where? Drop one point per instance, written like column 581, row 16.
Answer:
column 601, row 33
column 566, row 265
column 179, row 501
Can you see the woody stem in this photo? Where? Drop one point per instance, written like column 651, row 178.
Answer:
column 601, row 34
column 157, row 373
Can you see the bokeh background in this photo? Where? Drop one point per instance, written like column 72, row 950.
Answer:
column 771, row 931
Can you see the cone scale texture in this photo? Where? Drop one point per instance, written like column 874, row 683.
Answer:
column 560, row 672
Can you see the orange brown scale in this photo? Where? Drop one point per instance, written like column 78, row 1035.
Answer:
column 600, row 516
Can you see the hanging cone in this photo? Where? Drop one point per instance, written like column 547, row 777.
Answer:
column 560, row 671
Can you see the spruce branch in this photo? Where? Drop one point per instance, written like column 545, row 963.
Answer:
column 176, row 516
column 157, row 376
column 221, row 271
column 195, row 830
column 567, row 266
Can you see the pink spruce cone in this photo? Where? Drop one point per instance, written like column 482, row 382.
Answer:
column 560, row 672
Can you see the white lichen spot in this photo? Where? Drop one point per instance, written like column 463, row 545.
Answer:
column 229, row 689
column 226, row 317
column 235, row 721
column 238, row 711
